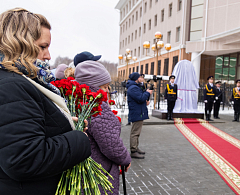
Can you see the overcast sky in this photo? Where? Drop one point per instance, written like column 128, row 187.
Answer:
column 77, row 25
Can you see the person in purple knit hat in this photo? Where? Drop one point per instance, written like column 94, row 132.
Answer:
column 104, row 130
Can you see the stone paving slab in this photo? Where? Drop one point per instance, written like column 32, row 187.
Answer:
column 172, row 165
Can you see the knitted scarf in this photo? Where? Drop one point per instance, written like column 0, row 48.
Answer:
column 44, row 75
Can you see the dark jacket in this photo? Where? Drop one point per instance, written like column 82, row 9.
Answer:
column 171, row 93
column 36, row 140
column 137, row 102
column 107, row 146
column 209, row 93
column 218, row 94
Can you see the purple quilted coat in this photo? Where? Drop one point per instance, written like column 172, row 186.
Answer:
column 106, row 144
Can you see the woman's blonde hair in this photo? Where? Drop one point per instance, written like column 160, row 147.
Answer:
column 19, row 29
column 69, row 72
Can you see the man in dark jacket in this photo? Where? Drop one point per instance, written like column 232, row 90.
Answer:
column 137, row 103
column 171, row 96
column 209, row 97
column 218, row 100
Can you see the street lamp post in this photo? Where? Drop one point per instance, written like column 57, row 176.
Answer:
column 156, row 47
column 127, row 58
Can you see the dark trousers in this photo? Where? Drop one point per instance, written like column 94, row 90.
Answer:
column 216, row 109
column 170, row 106
column 208, row 107
column 236, row 108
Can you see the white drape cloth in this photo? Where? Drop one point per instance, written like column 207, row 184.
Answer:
column 187, row 82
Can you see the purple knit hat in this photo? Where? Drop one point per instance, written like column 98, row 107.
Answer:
column 92, row 73
column 59, row 73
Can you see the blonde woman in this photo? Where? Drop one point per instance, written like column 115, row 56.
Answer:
column 36, row 139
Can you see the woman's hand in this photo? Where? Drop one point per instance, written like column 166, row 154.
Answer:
column 127, row 167
column 75, row 119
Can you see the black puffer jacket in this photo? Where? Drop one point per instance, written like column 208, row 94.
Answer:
column 36, row 140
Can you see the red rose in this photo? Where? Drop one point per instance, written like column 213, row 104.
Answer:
column 111, row 102
column 115, row 112
column 120, row 120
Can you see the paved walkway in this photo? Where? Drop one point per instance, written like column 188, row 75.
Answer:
column 172, row 165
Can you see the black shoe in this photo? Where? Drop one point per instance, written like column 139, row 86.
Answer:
column 128, row 124
column 137, row 155
column 140, row 151
column 217, row 118
column 210, row 120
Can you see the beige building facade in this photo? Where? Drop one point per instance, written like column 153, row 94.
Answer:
column 207, row 32
column 139, row 20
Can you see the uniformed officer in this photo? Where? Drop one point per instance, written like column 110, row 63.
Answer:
column 236, row 101
column 171, row 96
column 209, row 97
column 218, row 99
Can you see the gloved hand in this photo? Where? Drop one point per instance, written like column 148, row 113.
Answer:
column 165, row 100
column 205, row 101
column 232, row 102
column 214, row 101
column 221, row 102
column 216, row 98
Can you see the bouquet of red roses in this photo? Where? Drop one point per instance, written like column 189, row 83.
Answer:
column 82, row 103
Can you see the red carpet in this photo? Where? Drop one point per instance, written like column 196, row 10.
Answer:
column 221, row 150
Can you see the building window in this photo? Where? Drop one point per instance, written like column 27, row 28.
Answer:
column 139, row 51
column 121, row 30
column 225, row 68
column 175, row 61
column 162, row 15
column 144, row 28
column 121, row 15
column 132, row 19
column 146, row 69
column 149, row 25
column 124, row 12
column 135, row 34
column 130, row 6
column 156, row 1
column 133, row 69
column 177, row 34
column 135, row 52
column 179, row 5
column 139, row 31
column 145, row 7
column 140, row 11
column 123, row 27
column 136, row 15
column 159, row 67
column 166, row 64
column 125, row 41
column 155, row 20
column 150, row 4
column 123, row 73
column 141, row 69
column 126, row 9
column 131, row 53
column 132, row 37
column 129, row 70
column 152, row 68
column 170, row 10
column 137, row 69
column 128, row 39
column 129, row 22
column 169, row 37
column 126, row 25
